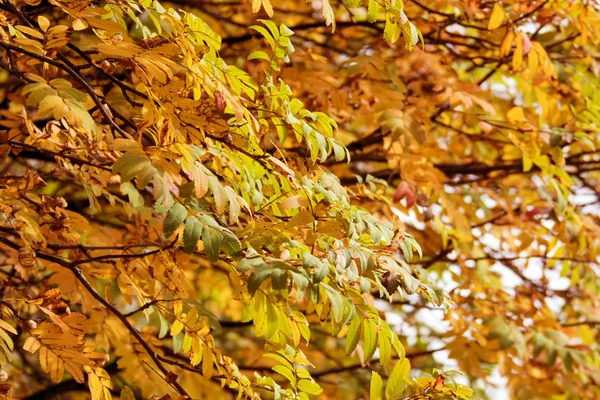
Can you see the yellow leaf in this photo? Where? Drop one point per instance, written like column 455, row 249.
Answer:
column 176, row 327
column 79, row 24
column 207, row 362
column 497, row 17
column 51, row 364
column 515, row 114
column 506, row 45
column 127, row 394
column 518, row 56
column 31, row 345
column 295, row 202
column 99, row 383
column 256, row 5
column 268, row 7
column 533, row 62
column 527, row 163
column 328, row 14
column 30, row 31
column 542, row 100
column 4, row 325
column 44, row 23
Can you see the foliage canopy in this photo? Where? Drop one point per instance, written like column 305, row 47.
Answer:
column 333, row 199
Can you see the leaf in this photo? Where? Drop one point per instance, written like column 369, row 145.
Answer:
column 207, row 362
column 256, row 5
column 515, row 114
column 99, row 383
column 353, row 334
column 320, row 269
column 287, row 373
column 310, row 387
column 258, row 54
column 6, row 342
column 191, row 234
column 397, row 380
column 30, row 31
column 31, row 345
column 328, row 15
column 127, row 394
column 129, row 164
column 376, row 390
column 369, row 339
column 259, row 275
column 230, row 244
column 295, row 202
column 211, row 239
column 174, row 218
column 337, row 303
column 497, row 16
column 51, row 364
column 373, row 11
column 408, row 282
column 43, row 22
column 164, row 326
column 248, row 263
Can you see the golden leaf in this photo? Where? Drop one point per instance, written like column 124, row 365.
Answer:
column 497, row 16
column 515, row 114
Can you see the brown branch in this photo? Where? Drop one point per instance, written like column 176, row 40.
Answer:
column 301, row 27
column 117, row 257
column 586, row 322
column 146, row 306
column 235, row 324
column 46, row 155
column 352, row 367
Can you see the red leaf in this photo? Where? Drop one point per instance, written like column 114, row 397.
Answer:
column 410, row 199
column 526, row 44
column 404, row 191
column 401, row 191
column 220, row 100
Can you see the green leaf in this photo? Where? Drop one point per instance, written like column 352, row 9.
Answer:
column 230, row 244
column 280, row 359
column 260, row 55
column 135, row 198
column 397, row 380
column 212, row 243
column 285, row 372
column 373, row 11
column 260, row 274
column 353, row 334
column 464, row 392
column 337, row 303
column 174, row 218
column 130, row 164
column 248, row 263
column 178, row 342
column 164, row 326
column 127, row 394
column 265, row 34
column 279, row 279
column 300, row 280
column 369, row 339
column 408, row 282
column 191, row 234
column 376, row 391
column 310, row 387
column 320, row 269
